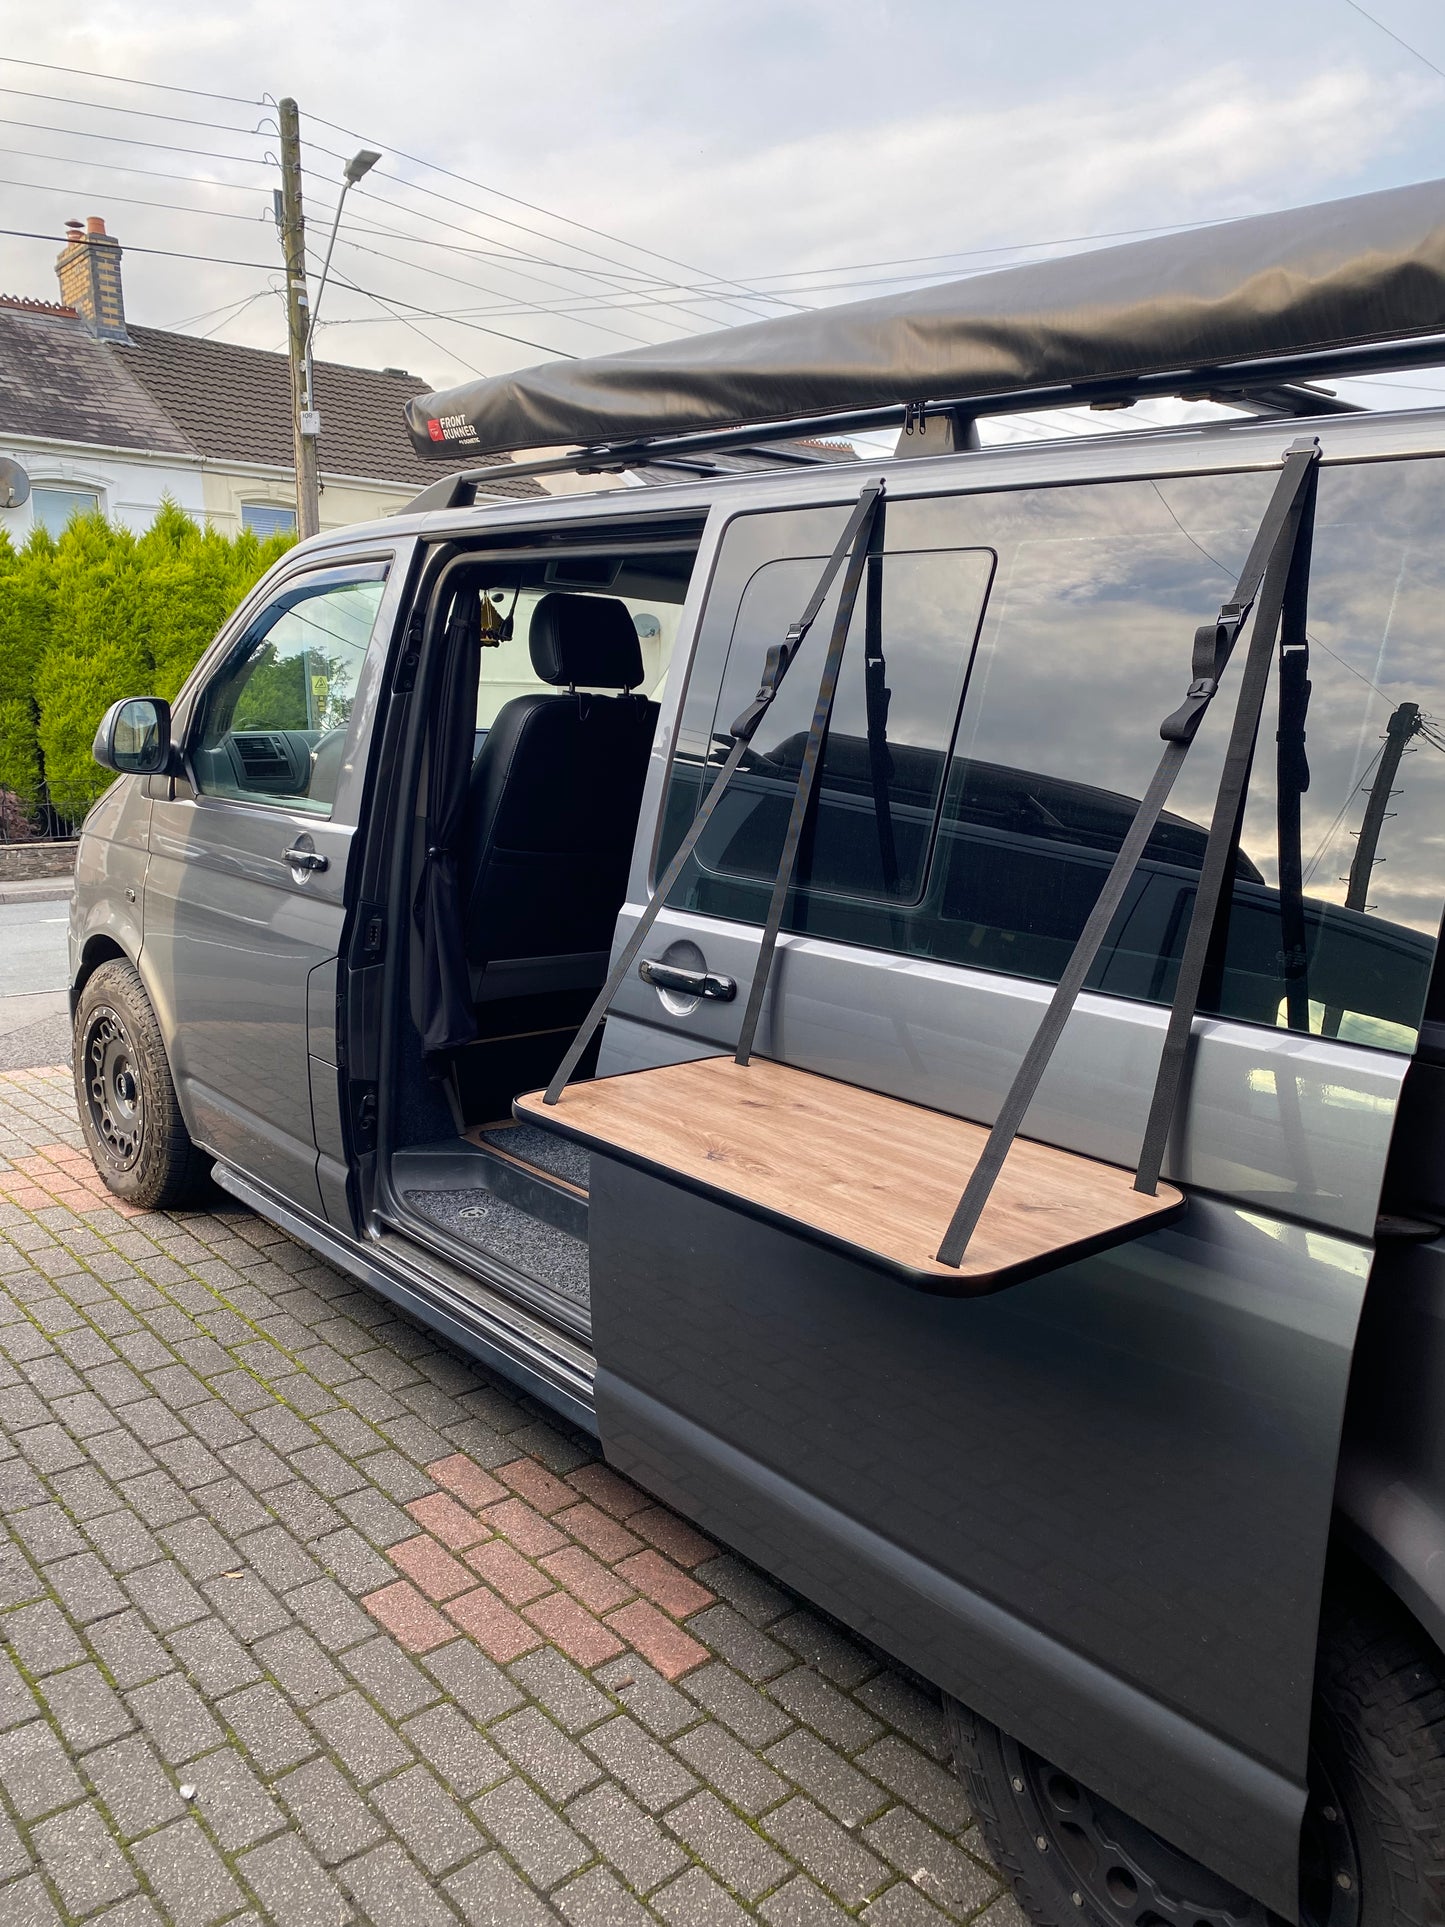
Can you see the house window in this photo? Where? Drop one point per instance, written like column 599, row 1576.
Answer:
column 55, row 506
column 268, row 519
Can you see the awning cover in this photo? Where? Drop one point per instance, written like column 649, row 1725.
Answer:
column 1336, row 275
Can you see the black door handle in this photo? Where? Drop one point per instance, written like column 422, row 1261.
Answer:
column 687, row 983
column 300, row 859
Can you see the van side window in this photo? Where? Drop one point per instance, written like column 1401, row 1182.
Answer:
column 271, row 724
column 1082, row 648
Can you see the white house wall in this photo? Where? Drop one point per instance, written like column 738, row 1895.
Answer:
column 130, row 483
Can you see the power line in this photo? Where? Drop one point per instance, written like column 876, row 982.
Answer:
column 404, row 321
column 416, row 308
column 130, row 140
column 441, row 275
column 681, row 304
column 116, row 167
column 169, row 254
column 1390, row 32
column 137, row 200
column 136, row 113
column 124, row 80
column 532, row 207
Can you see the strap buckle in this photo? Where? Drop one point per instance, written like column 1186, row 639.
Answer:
column 775, row 666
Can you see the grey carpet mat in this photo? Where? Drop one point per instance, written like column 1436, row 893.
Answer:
column 545, row 1149
column 479, row 1218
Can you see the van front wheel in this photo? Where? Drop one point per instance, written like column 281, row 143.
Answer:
column 1373, row 1846
column 125, row 1096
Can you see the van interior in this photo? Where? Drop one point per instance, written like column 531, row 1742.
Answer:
column 572, row 652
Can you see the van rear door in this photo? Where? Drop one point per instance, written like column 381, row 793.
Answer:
column 1096, row 1506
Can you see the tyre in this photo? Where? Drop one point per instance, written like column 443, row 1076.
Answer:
column 127, row 1102
column 1373, row 1847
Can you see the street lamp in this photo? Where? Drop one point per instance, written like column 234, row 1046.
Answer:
column 360, row 164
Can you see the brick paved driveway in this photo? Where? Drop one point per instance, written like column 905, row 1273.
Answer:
column 308, row 1620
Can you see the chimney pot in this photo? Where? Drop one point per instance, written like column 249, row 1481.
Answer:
column 74, row 229
column 94, row 225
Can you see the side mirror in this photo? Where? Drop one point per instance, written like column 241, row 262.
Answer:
column 134, row 737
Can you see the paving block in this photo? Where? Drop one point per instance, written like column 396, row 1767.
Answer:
column 489, row 1894
column 837, row 1786
column 287, row 1880
column 41, row 1637
column 950, row 1878
column 544, row 1847
column 648, row 1770
column 366, row 1744
column 626, row 1837
column 80, row 1856
column 86, row 1710
column 597, row 1899
column 735, row 1770
column 477, row 1686
column 334, row 1818
column 436, row 1830
column 562, row 1688
column 35, row 1772
column 835, row 1858
column 568, row 1625
column 545, row 1754
column 267, row 1728
column 727, row 1846
column 394, row 1893
column 450, row 1742
column 135, row 1787
column 188, row 1875
column 672, row 1651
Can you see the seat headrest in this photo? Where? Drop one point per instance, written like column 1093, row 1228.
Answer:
column 586, row 639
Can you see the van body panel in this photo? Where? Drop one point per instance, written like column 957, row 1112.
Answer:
column 1095, row 1506
column 110, row 865
column 1391, row 1493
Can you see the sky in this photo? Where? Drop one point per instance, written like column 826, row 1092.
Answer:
column 674, row 166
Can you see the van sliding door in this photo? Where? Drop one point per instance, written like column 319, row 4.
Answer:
column 1095, row 1506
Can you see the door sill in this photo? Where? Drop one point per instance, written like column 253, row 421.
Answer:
column 484, row 1322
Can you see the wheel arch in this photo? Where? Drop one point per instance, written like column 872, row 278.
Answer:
column 97, row 949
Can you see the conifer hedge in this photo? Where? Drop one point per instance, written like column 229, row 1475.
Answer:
column 99, row 614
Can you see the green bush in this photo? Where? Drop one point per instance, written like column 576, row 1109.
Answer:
column 99, row 614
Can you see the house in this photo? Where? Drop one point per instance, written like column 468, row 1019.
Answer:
column 103, row 414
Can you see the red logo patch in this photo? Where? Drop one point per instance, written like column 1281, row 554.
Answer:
column 436, row 431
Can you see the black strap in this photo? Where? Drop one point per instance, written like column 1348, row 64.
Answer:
column 779, row 658
column 1292, row 779
column 808, row 773
column 877, row 698
column 1216, row 872
column 1213, row 645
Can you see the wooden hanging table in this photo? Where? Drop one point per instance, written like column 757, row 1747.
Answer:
column 870, row 1175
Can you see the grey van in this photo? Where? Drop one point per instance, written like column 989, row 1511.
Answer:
column 1158, row 1507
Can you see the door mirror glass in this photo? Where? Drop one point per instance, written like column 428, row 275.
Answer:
column 134, row 737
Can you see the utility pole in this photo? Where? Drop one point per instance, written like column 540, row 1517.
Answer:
column 306, row 423
column 1403, row 724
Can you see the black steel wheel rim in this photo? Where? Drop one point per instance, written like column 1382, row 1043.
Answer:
column 113, row 1091
column 1120, row 1872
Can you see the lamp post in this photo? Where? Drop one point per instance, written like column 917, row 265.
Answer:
column 361, row 163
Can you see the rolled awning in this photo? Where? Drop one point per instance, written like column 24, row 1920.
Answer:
column 1336, row 275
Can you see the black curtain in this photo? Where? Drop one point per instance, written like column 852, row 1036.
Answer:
column 448, row 1013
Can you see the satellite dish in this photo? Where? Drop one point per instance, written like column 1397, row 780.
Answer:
column 14, row 484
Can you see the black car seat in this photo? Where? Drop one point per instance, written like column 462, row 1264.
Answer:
column 555, row 795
